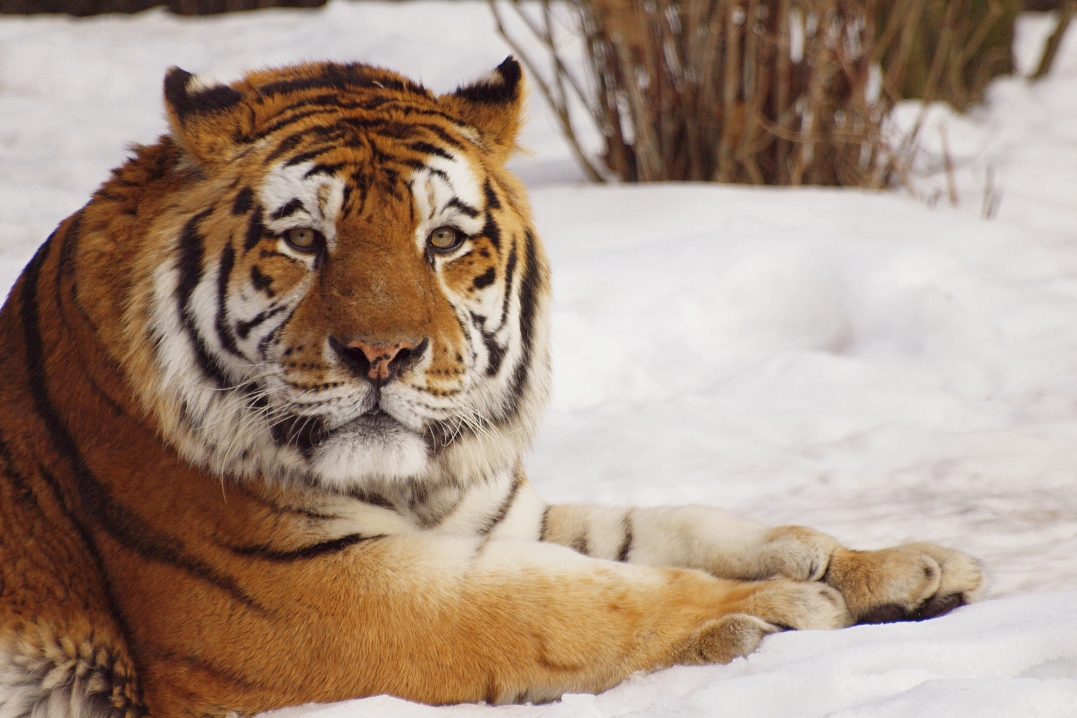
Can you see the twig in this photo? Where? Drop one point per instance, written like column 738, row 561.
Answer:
column 992, row 195
column 560, row 109
column 948, row 164
column 1055, row 41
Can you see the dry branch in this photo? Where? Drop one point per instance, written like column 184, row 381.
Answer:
column 757, row 91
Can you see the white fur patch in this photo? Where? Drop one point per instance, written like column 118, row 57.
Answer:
column 321, row 195
column 434, row 188
column 524, row 519
column 354, row 455
column 33, row 686
column 479, row 504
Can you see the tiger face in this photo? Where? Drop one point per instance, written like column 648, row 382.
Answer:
column 347, row 291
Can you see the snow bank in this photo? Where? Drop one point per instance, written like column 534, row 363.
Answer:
column 879, row 366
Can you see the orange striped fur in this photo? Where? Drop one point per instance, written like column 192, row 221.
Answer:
column 265, row 401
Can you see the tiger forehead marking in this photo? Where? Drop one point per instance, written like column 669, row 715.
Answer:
column 305, row 326
column 298, row 195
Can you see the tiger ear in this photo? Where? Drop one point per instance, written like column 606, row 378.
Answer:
column 493, row 106
column 206, row 118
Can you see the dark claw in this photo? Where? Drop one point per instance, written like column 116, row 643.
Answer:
column 936, row 606
column 890, row 613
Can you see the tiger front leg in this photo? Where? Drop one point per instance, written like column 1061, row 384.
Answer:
column 917, row 580
column 454, row 619
column 593, row 623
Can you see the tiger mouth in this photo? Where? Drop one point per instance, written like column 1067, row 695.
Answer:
column 376, row 420
column 307, row 433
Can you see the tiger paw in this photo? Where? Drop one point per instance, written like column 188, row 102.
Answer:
column 795, row 552
column 798, row 604
column 910, row 582
column 722, row 639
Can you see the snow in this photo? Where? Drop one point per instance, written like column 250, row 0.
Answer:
column 882, row 366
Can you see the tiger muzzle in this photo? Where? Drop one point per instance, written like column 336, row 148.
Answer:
column 379, row 362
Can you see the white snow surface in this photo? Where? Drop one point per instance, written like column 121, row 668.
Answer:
column 882, row 366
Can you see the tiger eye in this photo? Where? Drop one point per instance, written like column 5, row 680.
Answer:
column 445, row 238
column 302, row 238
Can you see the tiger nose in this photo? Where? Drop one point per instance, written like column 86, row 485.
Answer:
column 377, row 362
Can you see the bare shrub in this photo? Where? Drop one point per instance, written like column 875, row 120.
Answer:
column 944, row 50
column 785, row 92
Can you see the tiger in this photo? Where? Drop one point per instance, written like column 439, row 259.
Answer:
column 265, row 402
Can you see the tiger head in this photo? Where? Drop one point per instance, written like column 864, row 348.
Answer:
column 343, row 285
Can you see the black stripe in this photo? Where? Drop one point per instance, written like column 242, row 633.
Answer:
column 281, row 508
column 434, row 171
column 626, row 545
column 243, row 202
column 429, row 149
column 320, row 169
column 306, row 552
column 262, row 282
column 290, row 207
column 123, row 524
column 544, row 525
column 442, row 135
column 506, row 504
column 190, row 257
column 288, row 144
column 292, row 119
column 464, row 207
column 492, row 201
column 372, row 498
column 409, row 110
column 243, row 329
column 580, row 544
column 414, row 164
column 309, row 155
column 491, row 231
column 264, row 344
column 485, row 279
column 224, row 273
column 189, row 263
column 495, row 351
column 59, row 497
column 362, row 181
column 342, row 78
column 510, row 275
column 529, row 286
column 305, row 433
column 391, row 180
column 67, row 270
column 420, row 494
column 35, row 367
column 333, row 136
column 255, row 230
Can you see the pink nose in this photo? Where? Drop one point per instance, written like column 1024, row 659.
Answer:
column 381, row 357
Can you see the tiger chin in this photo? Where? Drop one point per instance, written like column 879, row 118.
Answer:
column 265, row 401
